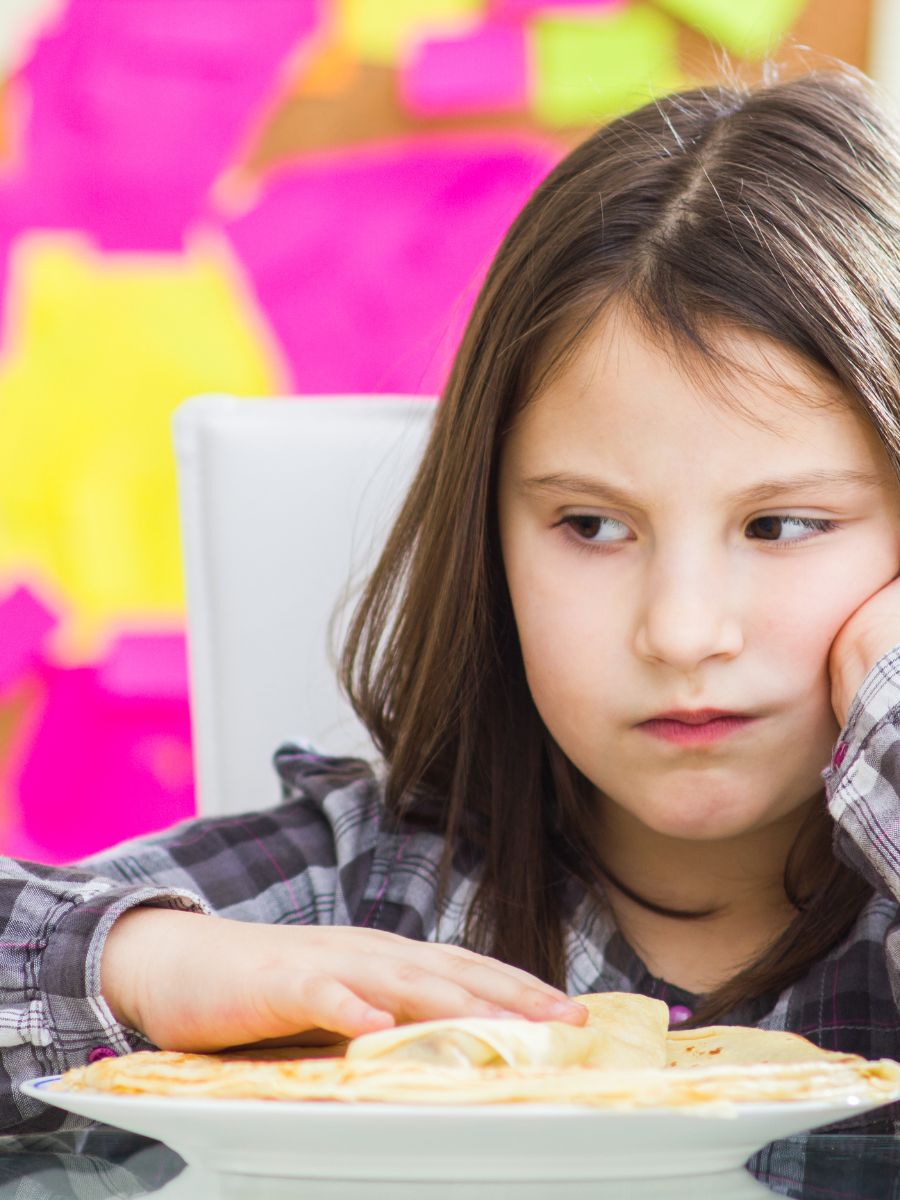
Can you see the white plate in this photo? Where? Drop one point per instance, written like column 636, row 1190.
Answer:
column 317, row 1140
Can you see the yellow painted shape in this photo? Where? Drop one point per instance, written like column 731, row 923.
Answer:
column 587, row 69
column 381, row 31
column 752, row 28
column 100, row 349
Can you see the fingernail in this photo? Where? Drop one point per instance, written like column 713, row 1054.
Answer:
column 566, row 1008
column 376, row 1016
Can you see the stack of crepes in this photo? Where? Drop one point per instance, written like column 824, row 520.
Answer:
column 625, row 1057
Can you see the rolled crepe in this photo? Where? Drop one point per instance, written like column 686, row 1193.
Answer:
column 478, row 1042
column 623, row 1031
column 631, row 1030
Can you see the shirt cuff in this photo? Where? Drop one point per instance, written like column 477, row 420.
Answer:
column 862, row 783
column 78, row 1018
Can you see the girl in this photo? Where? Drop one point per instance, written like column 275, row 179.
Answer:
column 641, row 586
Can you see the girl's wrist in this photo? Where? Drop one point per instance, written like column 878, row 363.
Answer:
column 131, row 960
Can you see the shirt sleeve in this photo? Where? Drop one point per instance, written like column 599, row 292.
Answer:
column 863, row 781
column 305, row 861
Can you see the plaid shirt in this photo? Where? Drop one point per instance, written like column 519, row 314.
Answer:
column 325, row 856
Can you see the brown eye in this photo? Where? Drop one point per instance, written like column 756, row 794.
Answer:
column 770, row 528
column 586, row 527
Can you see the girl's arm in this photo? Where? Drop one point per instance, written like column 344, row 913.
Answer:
column 53, row 925
column 275, row 865
column 113, row 956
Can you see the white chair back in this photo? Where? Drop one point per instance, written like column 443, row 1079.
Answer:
column 284, row 506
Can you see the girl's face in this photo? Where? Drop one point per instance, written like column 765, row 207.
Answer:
column 659, row 558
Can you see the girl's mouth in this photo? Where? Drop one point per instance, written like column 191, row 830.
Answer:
column 696, row 735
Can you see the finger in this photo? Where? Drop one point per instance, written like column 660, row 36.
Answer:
column 518, row 992
column 507, row 969
column 326, row 1003
column 424, row 952
column 412, row 993
column 502, row 984
column 530, row 997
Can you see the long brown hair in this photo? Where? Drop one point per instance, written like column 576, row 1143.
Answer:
column 773, row 209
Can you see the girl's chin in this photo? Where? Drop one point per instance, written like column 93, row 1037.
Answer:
column 702, row 823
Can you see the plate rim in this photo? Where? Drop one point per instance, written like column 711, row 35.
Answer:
column 37, row 1087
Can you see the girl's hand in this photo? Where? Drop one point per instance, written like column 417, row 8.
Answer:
column 192, row 982
column 869, row 632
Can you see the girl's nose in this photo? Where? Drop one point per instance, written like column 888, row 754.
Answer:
column 687, row 616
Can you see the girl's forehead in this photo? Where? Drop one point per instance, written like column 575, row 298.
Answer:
column 617, row 372
column 625, row 397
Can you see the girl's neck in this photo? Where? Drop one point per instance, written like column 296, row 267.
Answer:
column 731, row 877
column 697, row 956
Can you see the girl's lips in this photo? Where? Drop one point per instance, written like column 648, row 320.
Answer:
column 696, row 735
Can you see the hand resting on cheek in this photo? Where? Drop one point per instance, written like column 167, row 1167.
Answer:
column 868, row 633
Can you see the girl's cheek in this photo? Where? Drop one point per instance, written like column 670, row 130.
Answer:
column 803, row 621
column 803, row 599
column 808, row 626
column 573, row 647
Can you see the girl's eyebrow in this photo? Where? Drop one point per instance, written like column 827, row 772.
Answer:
column 757, row 493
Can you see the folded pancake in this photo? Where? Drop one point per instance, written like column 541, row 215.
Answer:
column 713, row 1090
column 633, row 1029
column 476, row 1042
column 734, row 1045
column 621, row 1059
column 623, row 1031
